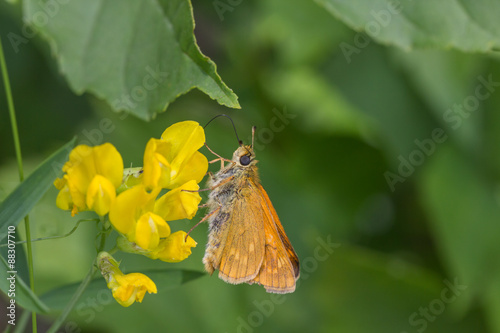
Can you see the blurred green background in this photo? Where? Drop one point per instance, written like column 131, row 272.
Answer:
column 389, row 193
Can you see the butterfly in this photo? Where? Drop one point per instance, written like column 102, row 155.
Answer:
column 246, row 241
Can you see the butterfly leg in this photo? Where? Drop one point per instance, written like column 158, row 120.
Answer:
column 203, row 220
column 219, row 158
column 210, row 150
column 227, row 180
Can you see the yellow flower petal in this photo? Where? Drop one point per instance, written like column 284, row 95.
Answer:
column 195, row 168
column 178, row 204
column 132, row 288
column 150, row 227
column 100, row 194
column 108, row 163
column 173, row 160
column 156, row 166
column 184, row 138
column 174, row 248
column 59, row 183
column 75, row 183
column 129, row 206
column 63, row 200
column 80, row 169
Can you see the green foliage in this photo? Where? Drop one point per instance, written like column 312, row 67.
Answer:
column 21, row 292
column 463, row 209
column 469, row 25
column 366, row 275
column 138, row 56
column 14, row 208
column 20, row 202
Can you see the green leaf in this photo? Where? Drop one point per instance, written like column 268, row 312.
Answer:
column 379, row 293
column 302, row 31
column 492, row 307
column 467, row 25
column 321, row 105
column 392, row 106
column 463, row 214
column 22, row 270
column 491, row 121
column 23, row 295
column 440, row 77
column 139, row 56
column 98, row 293
column 20, row 202
column 445, row 79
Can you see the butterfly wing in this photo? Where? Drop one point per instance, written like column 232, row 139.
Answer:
column 280, row 267
column 243, row 252
column 247, row 242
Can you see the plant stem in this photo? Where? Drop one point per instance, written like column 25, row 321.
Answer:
column 78, row 293
column 72, row 302
column 54, row 237
column 17, row 145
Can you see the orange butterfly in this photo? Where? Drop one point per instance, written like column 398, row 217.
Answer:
column 246, row 240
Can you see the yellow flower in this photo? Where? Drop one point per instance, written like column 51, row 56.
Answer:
column 131, row 288
column 178, row 203
column 132, row 215
column 91, row 177
column 174, row 159
column 137, row 215
column 174, row 248
column 150, row 228
column 126, row 288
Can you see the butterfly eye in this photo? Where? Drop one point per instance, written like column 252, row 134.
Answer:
column 245, row 160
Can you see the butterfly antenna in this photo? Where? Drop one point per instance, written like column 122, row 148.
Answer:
column 254, row 128
column 234, row 127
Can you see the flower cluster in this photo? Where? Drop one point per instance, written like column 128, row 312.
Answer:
column 136, row 201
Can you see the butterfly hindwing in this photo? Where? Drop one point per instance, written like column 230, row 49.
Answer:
column 280, row 268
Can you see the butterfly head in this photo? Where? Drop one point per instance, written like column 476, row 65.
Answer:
column 244, row 156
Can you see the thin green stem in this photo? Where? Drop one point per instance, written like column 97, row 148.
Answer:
column 12, row 113
column 113, row 250
column 17, row 145
column 54, row 237
column 102, row 243
column 78, row 293
column 30, row 265
column 72, row 302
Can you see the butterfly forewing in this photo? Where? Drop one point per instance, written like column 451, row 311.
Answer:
column 243, row 252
